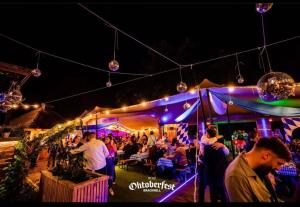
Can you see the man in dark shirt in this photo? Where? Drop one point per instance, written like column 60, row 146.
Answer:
column 130, row 148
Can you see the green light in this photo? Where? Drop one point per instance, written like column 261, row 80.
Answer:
column 284, row 102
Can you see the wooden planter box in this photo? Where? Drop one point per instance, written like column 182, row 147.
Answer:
column 53, row 189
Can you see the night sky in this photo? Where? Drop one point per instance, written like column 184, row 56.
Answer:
column 186, row 33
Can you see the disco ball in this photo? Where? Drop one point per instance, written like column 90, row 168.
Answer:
column 240, row 79
column 36, row 72
column 263, row 7
column 108, row 84
column 113, row 65
column 186, row 106
column 181, row 87
column 275, row 86
column 15, row 96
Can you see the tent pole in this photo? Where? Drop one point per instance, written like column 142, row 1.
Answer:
column 97, row 125
column 202, row 108
column 229, row 130
column 208, row 102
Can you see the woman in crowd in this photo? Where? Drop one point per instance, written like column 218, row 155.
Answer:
column 112, row 149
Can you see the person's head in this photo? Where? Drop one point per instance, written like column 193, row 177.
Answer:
column 76, row 139
column 144, row 141
column 85, row 136
column 191, row 145
column 211, row 130
column 92, row 135
column 131, row 140
column 174, row 141
column 151, row 133
column 165, row 134
column 296, row 133
column 107, row 140
column 272, row 153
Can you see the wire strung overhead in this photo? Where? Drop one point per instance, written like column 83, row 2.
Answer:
column 66, row 59
column 190, row 66
column 126, row 34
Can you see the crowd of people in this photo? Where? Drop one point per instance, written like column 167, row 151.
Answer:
column 249, row 177
column 252, row 176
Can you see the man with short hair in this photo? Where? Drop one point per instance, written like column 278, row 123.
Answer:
column 246, row 178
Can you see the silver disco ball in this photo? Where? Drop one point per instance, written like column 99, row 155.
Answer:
column 263, row 7
column 186, row 106
column 181, row 87
column 113, row 65
column 275, row 86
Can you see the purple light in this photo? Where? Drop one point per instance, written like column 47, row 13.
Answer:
column 178, row 188
column 164, row 118
column 153, row 115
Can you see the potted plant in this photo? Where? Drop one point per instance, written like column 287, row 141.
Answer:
column 6, row 132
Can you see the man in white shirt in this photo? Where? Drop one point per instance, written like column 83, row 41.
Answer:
column 95, row 153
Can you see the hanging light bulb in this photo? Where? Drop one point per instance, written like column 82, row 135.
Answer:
column 186, row 106
column 36, row 72
column 230, row 102
column 166, row 109
column 108, row 83
column 114, row 64
column 240, row 79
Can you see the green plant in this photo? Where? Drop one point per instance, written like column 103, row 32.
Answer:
column 15, row 174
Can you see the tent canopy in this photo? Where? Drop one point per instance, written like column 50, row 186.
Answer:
column 153, row 113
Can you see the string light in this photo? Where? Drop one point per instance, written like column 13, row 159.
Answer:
column 166, row 98
column 107, row 112
column 144, row 103
column 230, row 89
column 35, row 106
column 192, row 91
